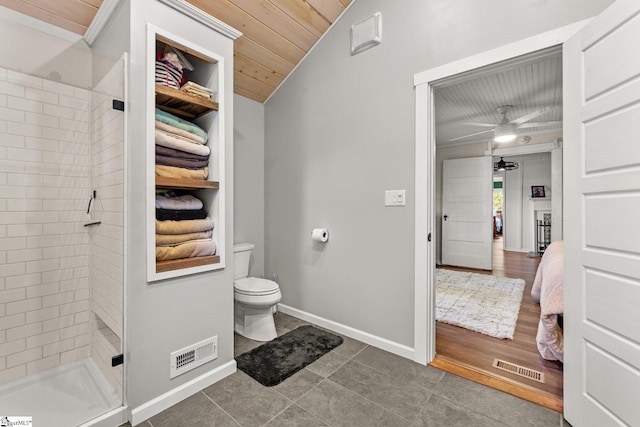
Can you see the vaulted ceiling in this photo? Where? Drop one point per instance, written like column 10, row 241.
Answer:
column 276, row 33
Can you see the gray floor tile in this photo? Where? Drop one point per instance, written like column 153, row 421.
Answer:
column 338, row 406
column 196, row 410
column 440, row 412
column 399, row 367
column 394, row 394
column 286, row 323
column 327, row 364
column 349, row 347
column 298, row 384
column 242, row 344
column 496, row 404
column 246, row 400
column 295, row 416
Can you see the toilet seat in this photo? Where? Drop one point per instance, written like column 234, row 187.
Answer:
column 254, row 286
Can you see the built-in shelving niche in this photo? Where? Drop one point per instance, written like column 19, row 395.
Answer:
column 208, row 71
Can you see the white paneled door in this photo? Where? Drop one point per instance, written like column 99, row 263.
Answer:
column 602, row 220
column 467, row 214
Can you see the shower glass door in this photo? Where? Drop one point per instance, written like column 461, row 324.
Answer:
column 61, row 247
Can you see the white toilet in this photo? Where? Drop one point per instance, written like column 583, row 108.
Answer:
column 253, row 297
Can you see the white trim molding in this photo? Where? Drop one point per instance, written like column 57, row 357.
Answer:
column 424, row 320
column 100, row 20
column 178, row 394
column 365, row 337
column 202, row 17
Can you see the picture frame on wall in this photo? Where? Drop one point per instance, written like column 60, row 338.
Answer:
column 537, row 191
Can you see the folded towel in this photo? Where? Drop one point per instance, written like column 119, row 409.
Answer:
column 176, row 239
column 184, row 227
column 173, row 245
column 166, row 140
column 171, row 201
column 174, row 172
column 179, row 154
column 175, row 121
column 181, row 163
column 180, row 215
column 174, row 131
column 186, row 250
column 196, row 86
column 196, row 92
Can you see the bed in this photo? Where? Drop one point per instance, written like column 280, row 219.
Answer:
column 547, row 290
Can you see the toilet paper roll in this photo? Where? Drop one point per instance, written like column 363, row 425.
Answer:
column 320, row 235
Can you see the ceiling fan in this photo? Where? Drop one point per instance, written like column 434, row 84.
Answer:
column 502, row 166
column 506, row 130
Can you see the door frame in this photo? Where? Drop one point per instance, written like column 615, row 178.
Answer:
column 424, row 276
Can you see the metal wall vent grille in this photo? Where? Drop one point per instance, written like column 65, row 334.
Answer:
column 193, row 356
column 519, row 370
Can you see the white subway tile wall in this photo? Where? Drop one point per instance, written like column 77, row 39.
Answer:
column 107, row 240
column 44, row 255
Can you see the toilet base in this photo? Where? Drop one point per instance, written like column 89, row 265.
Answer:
column 255, row 323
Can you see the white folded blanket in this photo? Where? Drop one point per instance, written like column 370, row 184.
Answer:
column 185, row 202
column 167, row 140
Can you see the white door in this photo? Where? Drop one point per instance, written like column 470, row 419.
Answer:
column 602, row 220
column 467, row 216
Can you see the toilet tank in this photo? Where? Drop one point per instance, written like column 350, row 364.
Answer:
column 241, row 257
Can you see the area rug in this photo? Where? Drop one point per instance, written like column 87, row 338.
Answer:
column 479, row 302
column 277, row 360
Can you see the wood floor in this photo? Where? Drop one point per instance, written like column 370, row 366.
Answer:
column 471, row 354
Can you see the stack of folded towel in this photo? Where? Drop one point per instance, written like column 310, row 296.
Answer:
column 181, row 150
column 197, row 90
column 183, row 229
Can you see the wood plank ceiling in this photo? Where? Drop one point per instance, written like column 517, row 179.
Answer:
column 276, row 33
column 527, row 84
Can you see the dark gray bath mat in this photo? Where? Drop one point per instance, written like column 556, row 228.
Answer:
column 277, row 360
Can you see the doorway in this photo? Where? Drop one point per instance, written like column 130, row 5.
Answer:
column 426, row 165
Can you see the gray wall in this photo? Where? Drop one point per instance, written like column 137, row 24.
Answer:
column 340, row 131
column 248, row 178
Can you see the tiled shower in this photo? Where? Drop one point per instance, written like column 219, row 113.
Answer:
column 61, row 282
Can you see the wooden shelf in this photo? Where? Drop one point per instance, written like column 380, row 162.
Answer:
column 186, row 184
column 177, row 264
column 182, row 104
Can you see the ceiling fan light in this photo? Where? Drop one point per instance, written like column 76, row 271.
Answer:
column 504, row 133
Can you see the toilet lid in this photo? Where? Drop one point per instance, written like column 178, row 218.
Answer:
column 255, row 286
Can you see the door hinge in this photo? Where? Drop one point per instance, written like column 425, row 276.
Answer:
column 117, row 360
column 429, row 237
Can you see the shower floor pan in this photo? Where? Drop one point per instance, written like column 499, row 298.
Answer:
column 64, row 396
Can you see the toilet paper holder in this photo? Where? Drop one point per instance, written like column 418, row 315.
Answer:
column 320, row 235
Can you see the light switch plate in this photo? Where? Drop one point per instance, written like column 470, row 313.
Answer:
column 395, row 198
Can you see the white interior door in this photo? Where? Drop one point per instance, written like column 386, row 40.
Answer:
column 602, row 230
column 467, row 227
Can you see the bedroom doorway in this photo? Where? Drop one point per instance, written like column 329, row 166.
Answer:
column 428, row 160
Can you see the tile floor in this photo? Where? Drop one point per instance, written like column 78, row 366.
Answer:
column 353, row 385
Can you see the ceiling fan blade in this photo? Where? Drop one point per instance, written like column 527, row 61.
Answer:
column 471, row 134
column 533, row 115
column 486, row 125
column 555, row 123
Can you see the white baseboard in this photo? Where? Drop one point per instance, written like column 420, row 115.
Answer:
column 170, row 398
column 365, row 337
